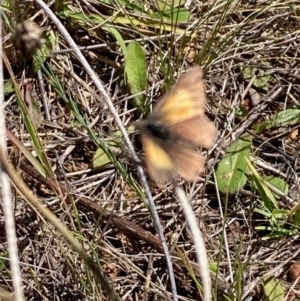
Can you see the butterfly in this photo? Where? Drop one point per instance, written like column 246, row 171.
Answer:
column 28, row 38
column 175, row 129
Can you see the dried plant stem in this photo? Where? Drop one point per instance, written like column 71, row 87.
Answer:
column 10, row 226
column 199, row 244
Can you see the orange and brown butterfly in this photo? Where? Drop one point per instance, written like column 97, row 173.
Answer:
column 176, row 128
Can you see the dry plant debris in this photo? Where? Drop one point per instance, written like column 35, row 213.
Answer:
column 250, row 53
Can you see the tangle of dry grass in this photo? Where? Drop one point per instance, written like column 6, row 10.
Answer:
column 103, row 206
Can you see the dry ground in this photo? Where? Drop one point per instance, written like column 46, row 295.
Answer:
column 103, row 206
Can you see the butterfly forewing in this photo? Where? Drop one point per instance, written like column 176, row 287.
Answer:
column 185, row 100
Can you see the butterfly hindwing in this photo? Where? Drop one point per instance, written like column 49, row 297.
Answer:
column 187, row 163
column 166, row 161
column 199, row 131
column 158, row 162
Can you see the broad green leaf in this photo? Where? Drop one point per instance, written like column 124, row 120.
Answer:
column 164, row 5
column 284, row 118
column 100, row 158
column 263, row 190
column 274, row 290
column 136, row 72
column 177, row 15
column 278, row 183
column 231, row 172
column 113, row 142
column 9, row 86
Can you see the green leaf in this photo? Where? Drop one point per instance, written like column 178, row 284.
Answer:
column 136, row 71
column 9, row 86
column 231, row 172
column 213, row 266
column 113, row 142
column 173, row 14
column 100, row 158
column 278, row 183
column 137, row 6
column 274, row 290
column 177, row 15
column 118, row 37
column 84, row 19
column 241, row 113
column 283, row 118
column 276, row 233
column 29, row 156
column 167, row 4
column 296, row 220
column 263, row 212
column 263, row 190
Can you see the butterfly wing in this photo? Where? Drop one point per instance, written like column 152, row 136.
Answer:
column 181, row 110
column 187, row 163
column 158, row 163
column 199, row 131
column 184, row 101
column 166, row 161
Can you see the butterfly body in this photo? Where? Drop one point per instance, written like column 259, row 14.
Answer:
column 158, row 131
column 177, row 127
